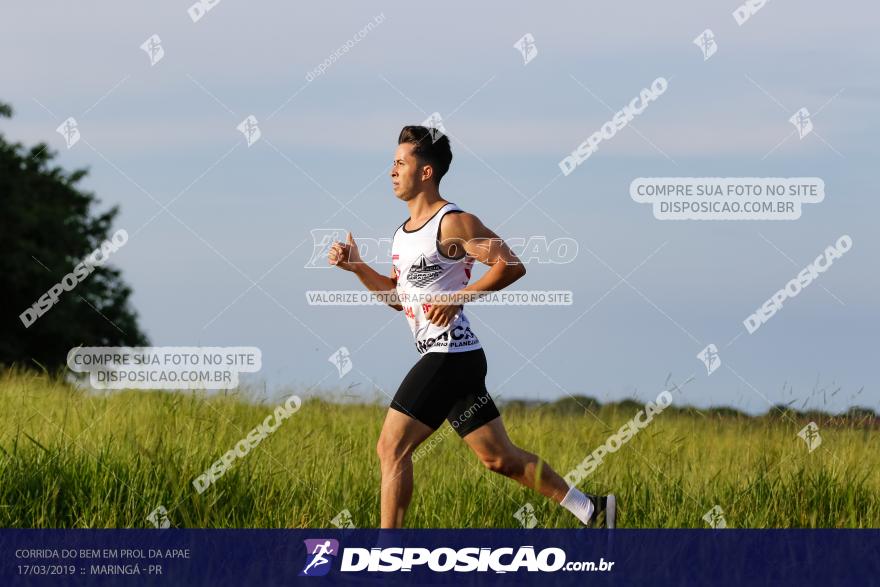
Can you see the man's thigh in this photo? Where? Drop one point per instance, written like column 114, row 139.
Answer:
column 472, row 407
column 490, row 439
column 425, row 394
column 403, row 432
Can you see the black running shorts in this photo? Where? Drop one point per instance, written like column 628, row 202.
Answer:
column 450, row 386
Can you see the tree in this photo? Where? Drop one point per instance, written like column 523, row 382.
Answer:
column 47, row 226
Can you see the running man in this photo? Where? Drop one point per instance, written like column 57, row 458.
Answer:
column 319, row 552
column 432, row 253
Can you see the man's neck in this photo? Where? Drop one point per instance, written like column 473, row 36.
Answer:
column 424, row 205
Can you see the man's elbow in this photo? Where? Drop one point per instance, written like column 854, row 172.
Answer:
column 517, row 269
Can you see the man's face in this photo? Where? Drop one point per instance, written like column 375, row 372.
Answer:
column 407, row 176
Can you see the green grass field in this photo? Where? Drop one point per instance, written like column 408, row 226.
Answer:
column 70, row 458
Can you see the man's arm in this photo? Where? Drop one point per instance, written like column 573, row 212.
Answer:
column 464, row 231
column 346, row 256
column 375, row 281
column 488, row 248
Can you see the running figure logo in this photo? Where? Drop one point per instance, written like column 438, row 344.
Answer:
column 69, row 130
column 317, row 552
column 715, row 518
column 434, row 123
column 710, row 358
column 706, row 43
column 249, row 127
column 153, row 48
column 810, row 435
column 421, row 274
column 801, row 121
column 527, row 48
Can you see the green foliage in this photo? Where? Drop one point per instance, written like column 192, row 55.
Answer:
column 73, row 458
column 47, row 226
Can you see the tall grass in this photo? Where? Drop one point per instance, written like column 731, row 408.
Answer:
column 73, row 458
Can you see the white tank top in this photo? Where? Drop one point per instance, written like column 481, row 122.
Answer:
column 422, row 269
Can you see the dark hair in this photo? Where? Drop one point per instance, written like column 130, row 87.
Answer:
column 428, row 150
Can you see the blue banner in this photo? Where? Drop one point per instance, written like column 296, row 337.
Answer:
column 435, row 557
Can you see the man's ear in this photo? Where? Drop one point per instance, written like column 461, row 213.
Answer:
column 427, row 172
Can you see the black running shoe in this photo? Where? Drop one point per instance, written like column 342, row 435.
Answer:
column 605, row 512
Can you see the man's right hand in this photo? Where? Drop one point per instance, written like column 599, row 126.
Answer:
column 345, row 255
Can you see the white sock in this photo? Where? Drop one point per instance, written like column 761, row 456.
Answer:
column 578, row 504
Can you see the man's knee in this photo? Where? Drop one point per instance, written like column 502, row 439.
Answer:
column 508, row 463
column 392, row 450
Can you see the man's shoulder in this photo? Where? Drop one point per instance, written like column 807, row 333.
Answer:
column 459, row 220
column 458, row 224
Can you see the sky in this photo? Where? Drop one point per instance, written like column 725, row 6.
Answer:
column 220, row 231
